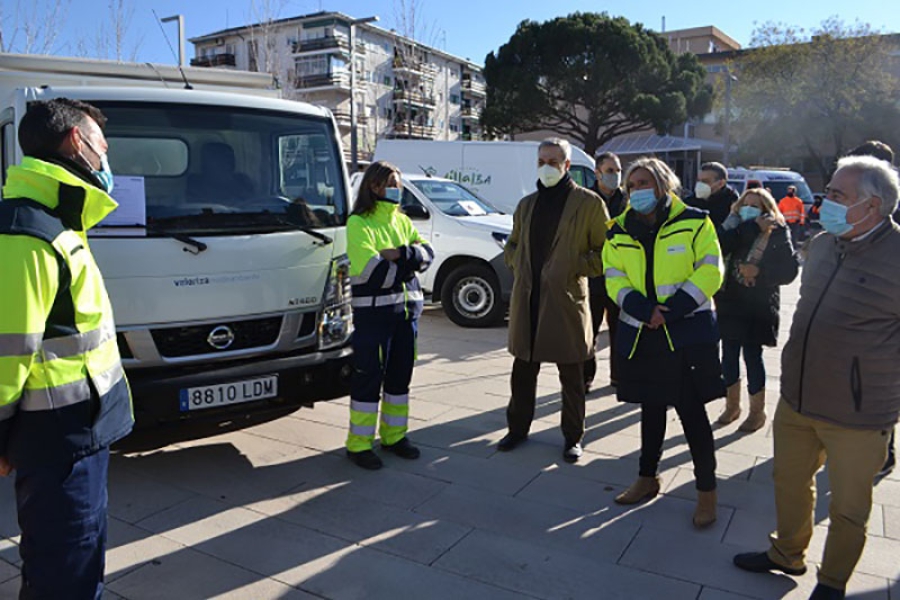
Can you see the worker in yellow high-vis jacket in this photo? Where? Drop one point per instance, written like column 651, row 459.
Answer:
column 385, row 251
column 63, row 395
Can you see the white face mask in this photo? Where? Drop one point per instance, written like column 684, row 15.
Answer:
column 549, row 175
column 702, row 190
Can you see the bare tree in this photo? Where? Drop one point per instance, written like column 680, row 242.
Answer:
column 110, row 39
column 269, row 53
column 414, row 75
column 32, row 27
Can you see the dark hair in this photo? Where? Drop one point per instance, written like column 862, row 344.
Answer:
column 717, row 168
column 879, row 150
column 375, row 176
column 47, row 123
column 605, row 156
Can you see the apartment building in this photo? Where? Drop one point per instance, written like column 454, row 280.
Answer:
column 401, row 88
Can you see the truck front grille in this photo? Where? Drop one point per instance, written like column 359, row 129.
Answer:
column 176, row 342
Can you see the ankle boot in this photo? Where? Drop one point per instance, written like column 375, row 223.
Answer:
column 705, row 513
column 642, row 489
column 757, row 417
column 732, row 404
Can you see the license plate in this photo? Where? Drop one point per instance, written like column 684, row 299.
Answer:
column 222, row 394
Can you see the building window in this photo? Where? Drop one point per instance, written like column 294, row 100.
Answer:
column 454, row 99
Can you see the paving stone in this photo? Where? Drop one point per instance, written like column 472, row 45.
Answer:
column 134, row 495
column 8, row 571
column 892, row 522
column 709, row 593
column 571, row 531
column 732, row 492
column 532, row 569
column 9, row 525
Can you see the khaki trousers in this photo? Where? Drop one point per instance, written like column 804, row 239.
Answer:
column 854, row 456
column 520, row 411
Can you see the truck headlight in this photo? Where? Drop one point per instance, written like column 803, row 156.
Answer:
column 336, row 321
column 500, row 238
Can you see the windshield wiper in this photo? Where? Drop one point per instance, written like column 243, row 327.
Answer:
column 323, row 239
column 189, row 241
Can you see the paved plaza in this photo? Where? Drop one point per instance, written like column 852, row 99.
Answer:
column 277, row 511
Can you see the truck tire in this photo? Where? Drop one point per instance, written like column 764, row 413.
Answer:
column 471, row 296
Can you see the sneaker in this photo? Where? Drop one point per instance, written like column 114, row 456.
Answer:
column 759, row 562
column 367, row 459
column 403, row 449
column 510, row 441
column 572, row 453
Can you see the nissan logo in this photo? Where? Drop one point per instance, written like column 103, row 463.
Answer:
column 221, row 338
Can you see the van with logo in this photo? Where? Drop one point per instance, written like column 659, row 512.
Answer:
column 775, row 179
column 468, row 275
column 500, row 172
column 226, row 259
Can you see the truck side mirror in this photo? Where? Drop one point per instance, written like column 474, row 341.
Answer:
column 416, row 212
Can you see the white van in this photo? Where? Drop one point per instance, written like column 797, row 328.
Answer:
column 500, row 172
column 774, row 178
column 226, row 259
column 468, row 274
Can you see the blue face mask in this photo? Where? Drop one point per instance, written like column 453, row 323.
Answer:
column 833, row 217
column 104, row 175
column 392, row 194
column 643, row 201
column 748, row 213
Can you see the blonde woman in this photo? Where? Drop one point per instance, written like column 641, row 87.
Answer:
column 759, row 258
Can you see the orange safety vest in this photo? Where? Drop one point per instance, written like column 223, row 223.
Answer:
column 792, row 209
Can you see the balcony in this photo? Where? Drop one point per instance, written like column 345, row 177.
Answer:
column 214, row 60
column 470, row 113
column 324, row 82
column 414, row 98
column 339, row 44
column 343, row 119
column 404, row 129
column 473, row 88
column 413, row 68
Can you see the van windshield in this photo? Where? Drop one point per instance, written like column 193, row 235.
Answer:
column 222, row 170
column 453, row 199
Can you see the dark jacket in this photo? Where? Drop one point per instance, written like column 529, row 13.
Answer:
column 718, row 205
column 615, row 206
column 751, row 314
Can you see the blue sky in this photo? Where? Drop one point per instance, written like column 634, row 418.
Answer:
column 466, row 28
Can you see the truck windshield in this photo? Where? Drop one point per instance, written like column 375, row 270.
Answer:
column 453, row 199
column 213, row 169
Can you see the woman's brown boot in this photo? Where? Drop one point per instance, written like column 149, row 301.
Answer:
column 705, row 513
column 757, row 417
column 732, row 404
column 642, row 489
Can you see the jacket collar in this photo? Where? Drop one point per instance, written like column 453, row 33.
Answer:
column 57, row 185
column 676, row 207
column 861, row 245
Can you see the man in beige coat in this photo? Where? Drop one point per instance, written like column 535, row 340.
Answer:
column 558, row 233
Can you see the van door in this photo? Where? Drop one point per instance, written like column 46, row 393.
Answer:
column 501, row 173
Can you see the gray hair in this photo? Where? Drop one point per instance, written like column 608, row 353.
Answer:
column 557, row 142
column 666, row 180
column 876, row 178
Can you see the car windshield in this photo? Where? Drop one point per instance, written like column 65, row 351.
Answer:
column 453, row 199
column 221, row 170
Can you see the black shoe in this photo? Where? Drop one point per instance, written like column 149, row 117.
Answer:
column 572, row 453
column 587, row 387
column 888, row 467
column 824, row 592
column 510, row 441
column 759, row 562
column 366, row 459
column 403, row 449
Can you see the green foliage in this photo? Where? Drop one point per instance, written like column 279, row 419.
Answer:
column 814, row 97
column 590, row 77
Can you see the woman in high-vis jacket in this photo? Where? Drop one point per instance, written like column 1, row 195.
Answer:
column 662, row 267
column 386, row 251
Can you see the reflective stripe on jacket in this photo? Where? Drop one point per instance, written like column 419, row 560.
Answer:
column 686, row 274
column 379, row 286
column 792, row 209
column 63, row 392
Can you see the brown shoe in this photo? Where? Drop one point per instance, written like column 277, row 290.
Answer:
column 644, row 488
column 705, row 513
column 732, row 404
column 757, row 417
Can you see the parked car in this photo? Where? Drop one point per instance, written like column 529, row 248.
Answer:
column 468, row 275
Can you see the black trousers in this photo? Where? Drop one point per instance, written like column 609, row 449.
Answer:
column 602, row 304
column 699, row 436
column 520, row 412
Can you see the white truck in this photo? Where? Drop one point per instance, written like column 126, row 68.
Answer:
column 500, row 172
column 226, row 259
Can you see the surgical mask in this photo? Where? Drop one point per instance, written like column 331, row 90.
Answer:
column 104, row 175
column 702, row 190
column 392, row 194
column 643, row 201
column 611, row 180
column 549, row 175
column 748, row 213
column 833, row 217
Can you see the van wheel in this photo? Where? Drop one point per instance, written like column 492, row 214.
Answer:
column 471, row 297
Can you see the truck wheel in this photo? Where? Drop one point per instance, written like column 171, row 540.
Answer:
column 471, row 297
